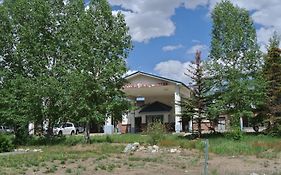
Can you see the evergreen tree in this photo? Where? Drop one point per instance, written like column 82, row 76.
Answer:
column 272, row 74
column 195, row 107
column 235, row 63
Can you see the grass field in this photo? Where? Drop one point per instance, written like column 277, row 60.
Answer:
column 104, row 155
column 219, row 144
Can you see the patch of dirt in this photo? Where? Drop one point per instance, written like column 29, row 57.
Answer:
column 189, row 162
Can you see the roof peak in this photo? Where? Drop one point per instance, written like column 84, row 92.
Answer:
column 157, row 77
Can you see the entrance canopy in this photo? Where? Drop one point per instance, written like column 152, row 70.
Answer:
column 144, row 84
column 156, row 107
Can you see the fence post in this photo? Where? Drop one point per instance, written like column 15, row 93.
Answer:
column 206, row 150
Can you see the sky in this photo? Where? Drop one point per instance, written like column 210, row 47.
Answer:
column 167, row 33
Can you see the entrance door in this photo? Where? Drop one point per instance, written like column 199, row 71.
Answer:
column 138, row 124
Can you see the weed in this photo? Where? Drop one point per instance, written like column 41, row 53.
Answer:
column 68, row 170
column 52, row 169
column 101, row 157
column 156, row 132
column 100, row 166
column 81, row 167
column 111, row 167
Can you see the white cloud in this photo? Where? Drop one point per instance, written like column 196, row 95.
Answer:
column 192, row 4
column 148, row 19
column 197, row 47
column 173, row 69
column 267, row 13
column 196, row 41
column 263, row 36
column 172, row 47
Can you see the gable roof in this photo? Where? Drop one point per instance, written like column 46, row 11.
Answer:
column 157, row 77
column 156, row 107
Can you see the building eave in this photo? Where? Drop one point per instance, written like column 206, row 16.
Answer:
column 157, row 77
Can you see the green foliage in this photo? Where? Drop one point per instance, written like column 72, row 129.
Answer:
column 272, row 75
column 121, row 138
column 6, row 143
column 195, row 107
column 234, row 63
column 59, row 61
column 156, row 132
column 108, row 139
column 248, row 145
column 275, row 130
column 235, row 134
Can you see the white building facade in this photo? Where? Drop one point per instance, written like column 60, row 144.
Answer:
column 155, row 99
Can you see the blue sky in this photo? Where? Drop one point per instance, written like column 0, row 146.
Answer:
column 166, row 33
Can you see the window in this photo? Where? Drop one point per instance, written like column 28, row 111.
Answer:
column 68, row 125
column 154, row 118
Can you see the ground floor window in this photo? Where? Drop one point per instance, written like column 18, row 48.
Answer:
column 154, row 118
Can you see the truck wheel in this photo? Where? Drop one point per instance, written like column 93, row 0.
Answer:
column 256, row 128
column 60, row 133
column 72, row 133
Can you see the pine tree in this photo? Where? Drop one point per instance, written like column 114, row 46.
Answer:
column 272, row 74
column 195, row 107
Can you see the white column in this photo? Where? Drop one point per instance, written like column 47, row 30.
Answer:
column 31, row 128
column 178, row 123
column 132, row 122
column 241, row 124
column 190, row 126
column 143, row 119
column 166, row 118
column 108, row 121
column 108, row 127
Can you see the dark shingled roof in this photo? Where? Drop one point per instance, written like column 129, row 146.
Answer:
column 156, row 107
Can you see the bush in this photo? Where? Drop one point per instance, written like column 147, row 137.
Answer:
column 6, row 143
column 235, row 134
column 108, row 139
column 275, row 130
column 156, row 132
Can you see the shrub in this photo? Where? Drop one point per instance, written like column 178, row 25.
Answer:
column 6, row 143
column 275, row 130
column 156, row 132
column 42, row 140
column 108, row 139
column 73, row 140
column 235, row 134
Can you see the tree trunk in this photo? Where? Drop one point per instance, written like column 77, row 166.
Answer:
column 50, row 129
column 192, row 129
column 87, row 132
column 199, row 127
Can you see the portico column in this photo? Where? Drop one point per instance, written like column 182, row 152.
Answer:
column 190, row 126
column 241, row 124
column 108, row 127
column 31, row 128
column 178, row 122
